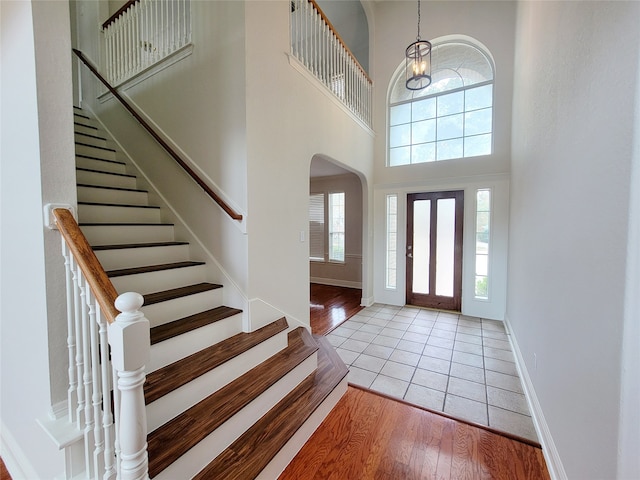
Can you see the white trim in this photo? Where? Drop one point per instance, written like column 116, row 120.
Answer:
column 551, row 454
column 49, row 219
column 335, row 282
column 13, row 457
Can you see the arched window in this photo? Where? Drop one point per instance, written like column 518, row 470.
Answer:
column 452, row 117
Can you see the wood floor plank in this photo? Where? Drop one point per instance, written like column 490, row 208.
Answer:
column 330, row 306
column 433, row 446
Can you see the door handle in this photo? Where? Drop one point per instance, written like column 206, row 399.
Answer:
column 409, row 255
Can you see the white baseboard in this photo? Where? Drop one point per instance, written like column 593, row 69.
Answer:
column 335, row 282
column 367, row 302
column 551, row 455
column 15, row 460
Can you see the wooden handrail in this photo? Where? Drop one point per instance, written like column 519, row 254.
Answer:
column 214, row 196
column 120, row 11
column 96, row 277
column 335, row 32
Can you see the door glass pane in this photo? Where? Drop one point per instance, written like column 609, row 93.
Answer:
column 445, row 246
column 421, row 234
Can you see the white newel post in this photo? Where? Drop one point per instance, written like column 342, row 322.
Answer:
column 130, row 347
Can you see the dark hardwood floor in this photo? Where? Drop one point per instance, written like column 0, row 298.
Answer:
column 330, row 306
column 4, row 473
column 368, row 436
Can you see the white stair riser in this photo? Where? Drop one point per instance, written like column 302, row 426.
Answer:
column 180, row 399
column 287, row 453
column 210, row 447
column 83, row 126
column 165, row 312
column 176, row 348
column 95, row 152
column 142, row 256
column 90, row 139
column 110, row 195
column 105, row 179
column 118, row 214
column 123, row 234
column 100, row 165
column 150, row 282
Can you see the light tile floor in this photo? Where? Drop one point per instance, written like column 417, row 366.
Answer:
column 451, row 363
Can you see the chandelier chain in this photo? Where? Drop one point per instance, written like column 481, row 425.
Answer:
column 418, row 37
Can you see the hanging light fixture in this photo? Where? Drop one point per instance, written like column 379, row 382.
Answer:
column 418, row 62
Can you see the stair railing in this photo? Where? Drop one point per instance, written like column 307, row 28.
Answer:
column 106, row 348
column 213, row 195
column 319, row 47
column 142, row 33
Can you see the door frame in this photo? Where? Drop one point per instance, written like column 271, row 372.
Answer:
column 432, row 300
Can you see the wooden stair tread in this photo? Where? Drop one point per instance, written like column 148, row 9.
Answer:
column 151, row 268
column 95, row 146
column 125, row 205
column 103, row 187
column 251, row 453
column 173, row 293
column 174, row 375
column 192, row 322
column 91, row 136
column 121, row 224
column 83, row 155
column 105, row 173
column 172, row 440
column 121, row 246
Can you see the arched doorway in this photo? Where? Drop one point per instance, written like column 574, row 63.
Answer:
column 336, row 243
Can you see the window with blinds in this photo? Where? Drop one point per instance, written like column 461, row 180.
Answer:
column 327, row 227
column 316, row 227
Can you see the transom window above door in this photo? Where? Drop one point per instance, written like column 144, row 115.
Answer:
column 452, row 117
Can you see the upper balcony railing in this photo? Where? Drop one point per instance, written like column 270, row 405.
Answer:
column 317, row 45
column 141, row 34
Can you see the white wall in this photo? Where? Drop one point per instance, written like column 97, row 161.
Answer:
column 289, row 120
column 629, row 424
column 493, row 25
column 573, row 138
column 37, row 168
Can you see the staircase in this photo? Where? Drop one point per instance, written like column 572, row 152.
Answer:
column 221, row 403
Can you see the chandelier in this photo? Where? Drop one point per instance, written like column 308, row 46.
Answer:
column 418, row 62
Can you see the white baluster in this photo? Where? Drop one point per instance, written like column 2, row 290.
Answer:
column 130, row 347
column 86, row 376
column 79, row 360
column 98, row 434
column 107, row 417
column 72, row 392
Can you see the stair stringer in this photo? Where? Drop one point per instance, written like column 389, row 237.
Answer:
column 233, row 294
